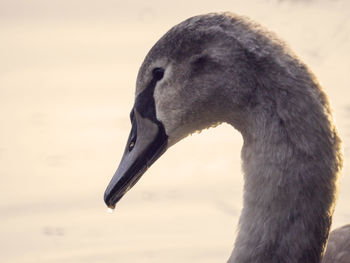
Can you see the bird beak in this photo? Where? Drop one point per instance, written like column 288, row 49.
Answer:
column 147, row 142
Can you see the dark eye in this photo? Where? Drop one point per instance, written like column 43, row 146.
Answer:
column 158, row 73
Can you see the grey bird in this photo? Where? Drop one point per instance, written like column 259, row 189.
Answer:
column 221, row 67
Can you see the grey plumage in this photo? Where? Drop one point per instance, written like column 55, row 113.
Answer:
column 338, row 248
column 226, row 68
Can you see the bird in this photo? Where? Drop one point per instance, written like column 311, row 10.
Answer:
column 225, row 68
column 338, row 247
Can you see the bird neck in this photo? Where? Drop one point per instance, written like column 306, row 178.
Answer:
column 290, row 166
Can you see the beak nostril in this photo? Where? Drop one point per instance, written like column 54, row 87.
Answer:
column 131, row 145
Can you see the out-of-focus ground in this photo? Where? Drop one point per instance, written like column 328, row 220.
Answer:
column 67, row 74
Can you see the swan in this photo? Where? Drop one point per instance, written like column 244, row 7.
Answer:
column 222, row 67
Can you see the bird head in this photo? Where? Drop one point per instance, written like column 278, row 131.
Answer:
column 182, row 87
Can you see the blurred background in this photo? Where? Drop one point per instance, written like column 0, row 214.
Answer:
column 67, row 79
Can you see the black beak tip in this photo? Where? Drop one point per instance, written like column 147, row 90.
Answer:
column 108, row 200
column 111, row 198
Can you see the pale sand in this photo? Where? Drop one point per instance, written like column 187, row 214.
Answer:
column 67, row 74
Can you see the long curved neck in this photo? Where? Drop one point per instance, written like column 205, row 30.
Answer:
column 290, row 161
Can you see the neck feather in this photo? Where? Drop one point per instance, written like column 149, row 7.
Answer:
column 290, row 160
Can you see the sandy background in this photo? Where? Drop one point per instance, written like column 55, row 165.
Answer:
column 67, row 74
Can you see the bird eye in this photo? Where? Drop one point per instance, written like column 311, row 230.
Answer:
column 158, row 73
